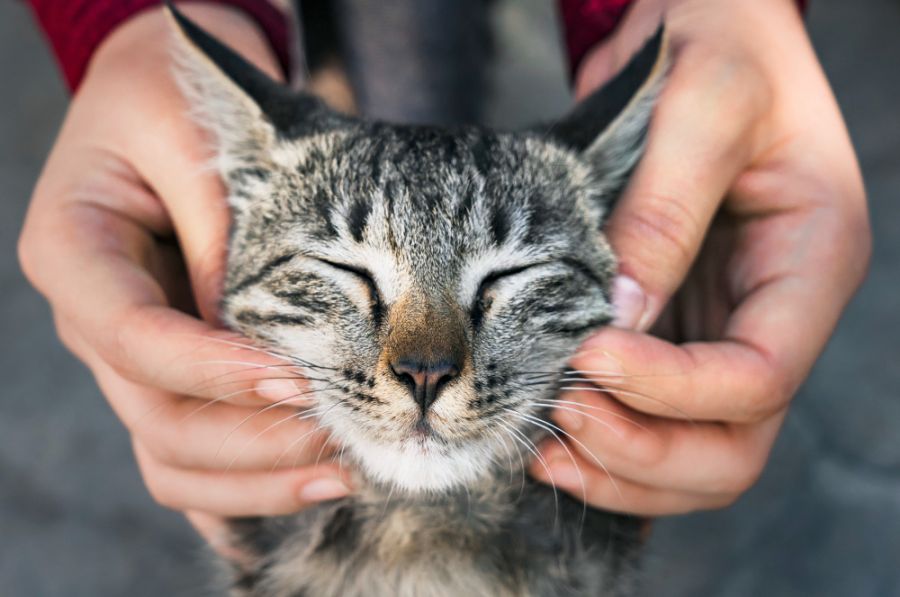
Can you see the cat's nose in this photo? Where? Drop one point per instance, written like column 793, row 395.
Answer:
column 424, row 380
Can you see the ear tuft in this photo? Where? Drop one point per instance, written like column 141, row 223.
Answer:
column 609, row 127
column 215, row 80
column 244, row 108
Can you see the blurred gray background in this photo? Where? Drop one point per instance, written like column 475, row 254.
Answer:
column 824, row 520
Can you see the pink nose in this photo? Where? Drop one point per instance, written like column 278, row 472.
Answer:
column 425, row 381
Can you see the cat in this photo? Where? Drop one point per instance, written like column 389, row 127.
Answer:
column 431, row 283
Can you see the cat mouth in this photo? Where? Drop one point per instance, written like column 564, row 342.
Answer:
column 420, row 438
column 423, row 429
column 423, row 437
column 419, row 459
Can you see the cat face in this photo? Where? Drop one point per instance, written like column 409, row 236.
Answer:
column 430, row 283
column 433, row 279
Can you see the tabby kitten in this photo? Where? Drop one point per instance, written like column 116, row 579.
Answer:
column 432, row 284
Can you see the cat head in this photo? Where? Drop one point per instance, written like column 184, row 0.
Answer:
column 431, row 283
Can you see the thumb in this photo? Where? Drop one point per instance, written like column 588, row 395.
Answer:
column 697, row 145
column 174, row 154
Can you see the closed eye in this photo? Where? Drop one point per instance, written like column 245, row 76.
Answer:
column 364, row 276
column 483, row 301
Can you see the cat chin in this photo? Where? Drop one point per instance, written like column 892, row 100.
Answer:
column 422, row 466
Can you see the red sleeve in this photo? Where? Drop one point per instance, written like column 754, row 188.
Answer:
column 588, row 22
column 76, row 28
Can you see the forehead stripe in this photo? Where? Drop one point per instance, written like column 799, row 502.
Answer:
column 499, row 225
column 357, row 218
column 262, row 273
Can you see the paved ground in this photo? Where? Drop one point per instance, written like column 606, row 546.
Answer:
column 824, row 521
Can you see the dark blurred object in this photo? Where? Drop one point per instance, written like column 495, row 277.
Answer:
column 416, row 62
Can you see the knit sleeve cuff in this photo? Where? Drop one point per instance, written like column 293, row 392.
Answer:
column 76, row 28
column 588, row 22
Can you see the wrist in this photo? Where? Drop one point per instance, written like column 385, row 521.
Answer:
column 76, row 29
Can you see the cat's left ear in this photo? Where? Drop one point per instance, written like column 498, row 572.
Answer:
column 245, row 109
column 608, row 128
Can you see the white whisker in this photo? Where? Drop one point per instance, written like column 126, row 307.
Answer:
column 614, row 390
column 523, row 440
column 593, row 456
column 588, row 415
column 547, row 427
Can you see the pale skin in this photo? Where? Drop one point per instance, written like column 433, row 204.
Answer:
column 747, row 116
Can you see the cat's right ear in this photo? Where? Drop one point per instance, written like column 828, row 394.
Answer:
column 608, row 128
column 245, row 109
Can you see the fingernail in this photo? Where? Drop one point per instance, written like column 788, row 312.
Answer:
column 629, row 301
column 278, row 390
column 597, row 363
column 323, row 489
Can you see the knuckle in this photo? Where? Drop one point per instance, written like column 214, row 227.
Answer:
column 67, row 336
column 746, row 478
column 732, row 83
column 865, row 248
column 664, row 220
column 723, row 501
column 161, row 494
column 775, row 391
column 166, row 439
column 739, row 480
column 158, row 442
column 646, row 450
column 713, row 84
column 157, row 486
column 859, row 240
column 757, row 411
column 115, row 346
column 26, row 253
column 768, row 388
column 848, row 249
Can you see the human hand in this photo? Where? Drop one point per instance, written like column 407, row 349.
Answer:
column 127, row 175
column 742, row 237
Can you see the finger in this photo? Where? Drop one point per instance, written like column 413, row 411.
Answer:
column 240, row 493
column 583, row 480
column 168, row 349
column 200, row 435
column 794, row 271
column 664, row 453
column 112, row 294
column 230, row 438
column 728, row 380
column 699, row 140
column 231, row 387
